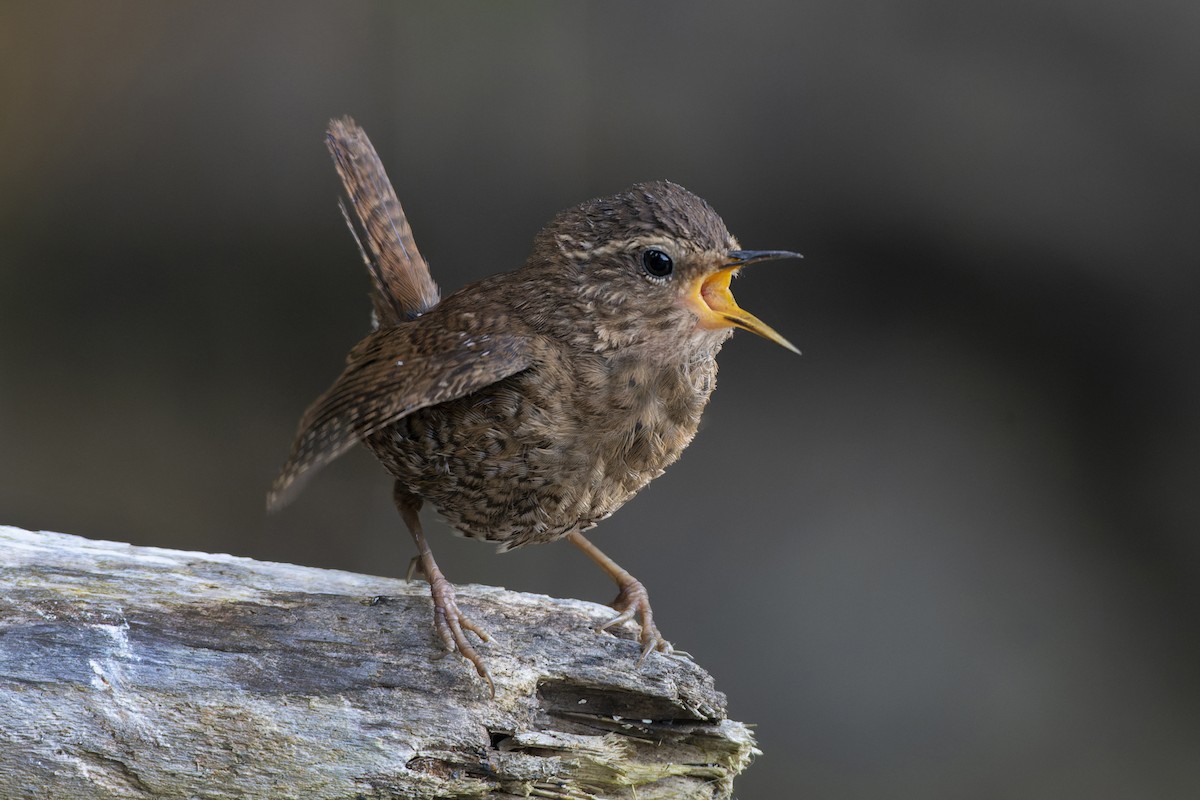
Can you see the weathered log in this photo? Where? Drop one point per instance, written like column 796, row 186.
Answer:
column 147, row 673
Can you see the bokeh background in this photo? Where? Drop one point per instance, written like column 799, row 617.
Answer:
column 952, row 551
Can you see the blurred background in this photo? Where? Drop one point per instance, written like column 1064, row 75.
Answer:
column 952, row 551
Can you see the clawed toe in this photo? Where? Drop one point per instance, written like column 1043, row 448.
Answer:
column 633, row 600
column 452, row 626
column 450, row 623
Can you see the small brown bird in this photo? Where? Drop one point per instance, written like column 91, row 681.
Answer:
column 530, row 405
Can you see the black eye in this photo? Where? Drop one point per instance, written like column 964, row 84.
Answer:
column 657, row 263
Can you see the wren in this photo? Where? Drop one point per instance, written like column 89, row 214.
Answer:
column 532, row 404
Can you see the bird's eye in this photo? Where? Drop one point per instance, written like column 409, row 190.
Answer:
column 657, row 263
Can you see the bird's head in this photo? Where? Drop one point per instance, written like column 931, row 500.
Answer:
column 650, row 268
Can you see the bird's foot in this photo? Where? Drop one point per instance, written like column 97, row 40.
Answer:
column 451, row 626
column 633, row 600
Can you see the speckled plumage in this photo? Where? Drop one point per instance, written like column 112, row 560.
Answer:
column 532, row 404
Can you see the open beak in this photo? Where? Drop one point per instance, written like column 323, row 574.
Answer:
column 714, row 304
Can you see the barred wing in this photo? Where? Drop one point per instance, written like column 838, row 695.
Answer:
column 392, row 373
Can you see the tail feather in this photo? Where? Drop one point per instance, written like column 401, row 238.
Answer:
column 401, row 285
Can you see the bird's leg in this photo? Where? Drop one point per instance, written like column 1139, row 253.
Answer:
column 450, row 623
column 631, row 600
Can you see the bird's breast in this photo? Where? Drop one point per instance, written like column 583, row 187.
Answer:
column 558, row 447
column 616, row 425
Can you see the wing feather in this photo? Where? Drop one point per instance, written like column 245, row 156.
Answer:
column 391, row 374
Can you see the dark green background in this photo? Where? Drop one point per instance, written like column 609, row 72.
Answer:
column 950, row 552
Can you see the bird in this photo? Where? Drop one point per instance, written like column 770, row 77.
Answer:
column 530, row 405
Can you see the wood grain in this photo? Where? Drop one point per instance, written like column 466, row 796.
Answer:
column 139, row 672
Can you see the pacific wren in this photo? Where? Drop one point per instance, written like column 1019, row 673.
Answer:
column 532, row 404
